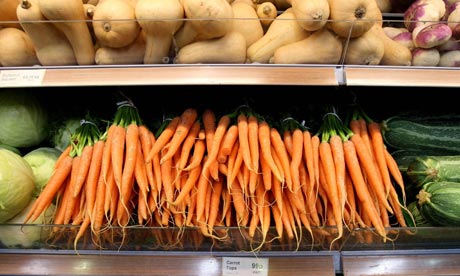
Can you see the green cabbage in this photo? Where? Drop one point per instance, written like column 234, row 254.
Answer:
column 60, row 136
column 16, row 184
column 42, row 161
column 15, row 234
column 23, row 119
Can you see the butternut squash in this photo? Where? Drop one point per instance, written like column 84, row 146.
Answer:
column 115, row 24
column 246, row 22
column 367, row 49
column 16, row 48
column 207, row 19
column 230, row 48
column 51, row 45
column 283, row 30
column 312, row 15
column 8, row 17
column 131, row 54
column 395, row 54
column 160, row 20
column 353, row 18
column 266, row 12
column 69, row 17
column 321, row 47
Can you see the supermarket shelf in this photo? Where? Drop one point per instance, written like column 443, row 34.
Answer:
column 191, row 264
column 401, row 76
column 169, row 75
column 213, row 74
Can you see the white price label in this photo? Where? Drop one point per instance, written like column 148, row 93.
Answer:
column 33, row 77
column 244, row 266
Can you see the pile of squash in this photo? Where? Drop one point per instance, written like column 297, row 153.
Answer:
column 76, row 32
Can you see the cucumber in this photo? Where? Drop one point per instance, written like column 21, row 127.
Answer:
column 415, row 219
column 439, row 203
column 440, row 135
column 425, row 169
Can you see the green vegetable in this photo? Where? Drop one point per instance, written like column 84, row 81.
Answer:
column 23, row 119
column 439, row 203
column 15, row 234
column 16, row 184
column 425, row 169
column 42, row 161
column 13, row 149
column 440, row 135
column 415, row 219
column 61, row 133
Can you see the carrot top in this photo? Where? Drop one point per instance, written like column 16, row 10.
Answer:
column 87, row 133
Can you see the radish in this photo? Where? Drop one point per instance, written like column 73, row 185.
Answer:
column 431, row 35
column 422, row 12
column 450, row 59
column 425, row 57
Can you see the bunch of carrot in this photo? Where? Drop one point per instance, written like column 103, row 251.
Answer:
column 208, row 171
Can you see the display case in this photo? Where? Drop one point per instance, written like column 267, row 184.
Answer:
column 146, row 250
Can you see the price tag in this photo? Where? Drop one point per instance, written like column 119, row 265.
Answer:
column 244, row 266
column 32, row 77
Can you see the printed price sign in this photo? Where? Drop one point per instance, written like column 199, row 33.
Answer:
column 244, row 266
column 21, row 77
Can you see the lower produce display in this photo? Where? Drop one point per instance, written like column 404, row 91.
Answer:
column 159, row 212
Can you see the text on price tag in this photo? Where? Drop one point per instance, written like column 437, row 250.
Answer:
column 32, row 77
column 244, row 266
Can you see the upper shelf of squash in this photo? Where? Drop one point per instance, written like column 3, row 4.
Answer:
column 128, row 32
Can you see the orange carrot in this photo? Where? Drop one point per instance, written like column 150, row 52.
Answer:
column 227, row 143
column 243, row 138
column 253, row 139
column 146, row 146
column 94, row 174
column 140, row 175
column 83, row 168
column 106, row 159
column 394, row 171
column 287, row 139
column 118, row 152
column 378, row 146
column 199, row 149
column 209, row 124
column 235, row 161
column 217, row 138
column 216, row 193
column 296, row 158
column 202, row 189
column 187, row 119
column 282, row 154
column 188, row 145
column 266, row 172
column 309, row 158
column 328, row 166
column 355, row 170
column 97, row 213
column 163, row 138
column 336, row 144
column 368, row 165
column 190, row 183
column 129, row 164
column 265, row 148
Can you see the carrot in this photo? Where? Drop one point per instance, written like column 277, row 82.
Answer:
column 309, row 200
column 202, row 189
column 70, row 204
column 156, row 167
column 243, row 138
column 129, row 164
column 146, row 146
column 253, row 139
column 199, row 149
column 217, row 138
column 336, row 144
column 163, row 138
column 265, row 148
column 167, row 178
column 216, row 193
column 281, row 152
column 378, row 146
column 209, row 124
column 140, row 175
column 63, row 154
column 227, row 143
column 97, row 212
column 367, row 163
column 355, row 170
column 328, row 166
column 315, row 141
column 111, row 195
column 239, row 204
column 364, row 134
column 394, row 171
column 309, row 158
column 287, row 139
column 83, row 168
column 235, row 161
column 188, row 145
column 266, row 172
column 187, row 119
column 94, row 174
column 118, row 152
column 296, row 158
column 190, row 183
column 355, row 126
